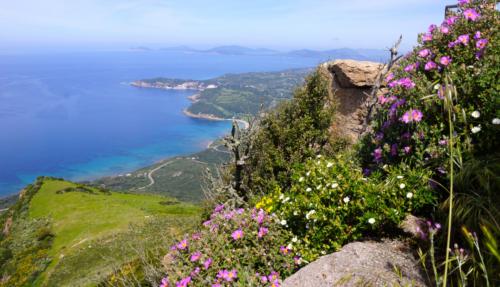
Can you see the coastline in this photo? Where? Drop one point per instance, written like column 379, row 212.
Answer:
column 209, row 117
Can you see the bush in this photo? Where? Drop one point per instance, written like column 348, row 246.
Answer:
column 234, row 247
column 331, row 202
column 411, row 125
column 289, row 134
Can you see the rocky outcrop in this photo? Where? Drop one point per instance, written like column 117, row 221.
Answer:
column 388, row 263
column 352, row 81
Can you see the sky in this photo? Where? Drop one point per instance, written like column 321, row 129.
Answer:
column 277, row 24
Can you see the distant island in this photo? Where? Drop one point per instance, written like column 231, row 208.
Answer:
column 233, row 95
column 322, row 55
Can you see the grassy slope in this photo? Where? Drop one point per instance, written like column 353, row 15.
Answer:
column 79, row 218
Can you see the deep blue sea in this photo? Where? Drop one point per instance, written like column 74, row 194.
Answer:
column 73, row 115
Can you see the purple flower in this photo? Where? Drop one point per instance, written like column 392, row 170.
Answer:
column 297, row 260
column 262, row 231
column 227, row 275
column 367, row 172
column 207, row 263
column 389, row 77
column 377, row 154
column 479, row 54
column 445, row 60
column 406, row 83
column 477, row 35
column 424, row 53
column 453, row 44
column 184, row 282
column 426, row 37
column 445, row 29
column 464, row 39
column 471, row 14
column 430, row 66
column 383, row 100
column 237, row 234
column 379, row 136
column 240, row 211
column 463, row 2
column 260, row 216
column 407, row 149
column 451, row 20
column 195, row 272
column 195, row 256
column 219, row 208
column 196, row 236
column 182, row 245
column 443, row 142
column 394, row 149
column 432, row 28
column 481, row 44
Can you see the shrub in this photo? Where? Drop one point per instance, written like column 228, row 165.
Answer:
column 289, row 134
column 411, row 125
column 234, row 247
column 331, row 202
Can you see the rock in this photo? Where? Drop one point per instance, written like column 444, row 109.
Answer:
column 354, row 74
column 351, row 84
column 415, row 226
column 388, row 263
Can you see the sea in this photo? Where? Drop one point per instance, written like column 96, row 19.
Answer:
column 74, row 115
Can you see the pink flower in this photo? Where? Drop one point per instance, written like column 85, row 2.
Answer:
column 377, row 154
column 406, row 83
column 477, row 35
column 424, row 53
column 411, row 68
column 481, row 44
column 182, row 245
column 285, row 250
column 389, row 77
column 412, row 115
column 195, row 256
column 184, row 282
column 261, row 215
column 407, row 149
column 453, row 44
column 430, row 66
column 432, row 28
column 238, row 234
column 219, row 208
column 262, row 231
column 445, row 29
column 445, row 60
column 471, row 14
column 227, row 275
column 297, row 260
column 195, row 272
column 464, row 39
column 384, row 100
column 207, row 263
column 451, row 20
column 164, row 282
column 426, row 37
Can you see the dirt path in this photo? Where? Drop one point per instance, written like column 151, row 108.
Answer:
column 151, row 172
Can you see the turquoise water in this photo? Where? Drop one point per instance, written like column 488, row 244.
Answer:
column 73, row 115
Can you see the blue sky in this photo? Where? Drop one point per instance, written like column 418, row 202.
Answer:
column 279, row 24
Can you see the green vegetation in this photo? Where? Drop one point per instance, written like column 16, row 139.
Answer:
column 64, row 226
column 241, row 95
column 178, row 177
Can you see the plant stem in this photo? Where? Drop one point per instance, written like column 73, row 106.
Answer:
column 450, row 207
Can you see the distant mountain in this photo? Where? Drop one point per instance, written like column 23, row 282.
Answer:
column 239, row 50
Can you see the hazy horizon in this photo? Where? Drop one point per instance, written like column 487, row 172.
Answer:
column 281, row 25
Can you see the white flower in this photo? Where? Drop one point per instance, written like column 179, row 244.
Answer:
column 295, row 213
column 476, row 129
column 308, row 173
column 323, row 252
column 371, row 220
column 318, row 156
column 402, row 185
column 308, row 189
column 335, row 185
column 283, row 222
column 311, row 212
column 347, row 199
column 285, row 200
column 364, row 179
column 496, row 121
column 301, row 179
column 281, row 196
column 330, row 164
column 290, row 246
column 475, row 114
column 437, row 86
column 318, row 187
column 409, row 195
column 400, row 177
column 295, row 239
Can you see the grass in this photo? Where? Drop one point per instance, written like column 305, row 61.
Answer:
column 80, row 220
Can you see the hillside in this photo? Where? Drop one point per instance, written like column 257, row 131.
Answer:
column 77, row 235
column 234, row 95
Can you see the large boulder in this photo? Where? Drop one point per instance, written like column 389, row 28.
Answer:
column 388, row 263
column 352, row 82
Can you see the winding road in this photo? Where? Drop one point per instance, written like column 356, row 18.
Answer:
column 150, row 174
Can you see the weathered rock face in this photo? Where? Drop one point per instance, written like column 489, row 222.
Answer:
column 389, row 263
column 352, row 81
